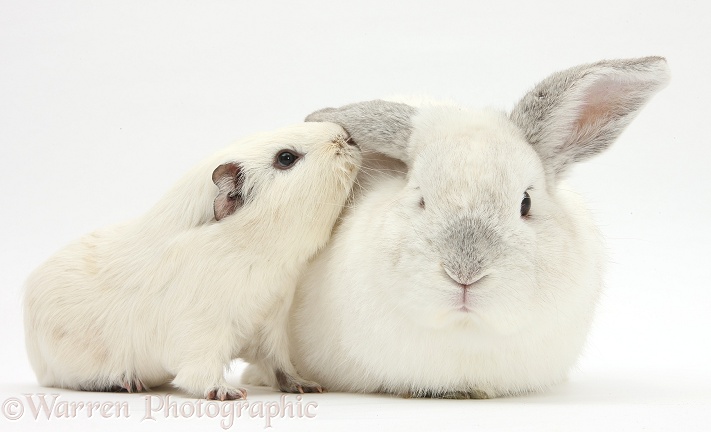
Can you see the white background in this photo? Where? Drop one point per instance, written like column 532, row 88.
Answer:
column 103, row 105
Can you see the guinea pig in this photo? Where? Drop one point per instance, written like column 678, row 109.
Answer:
column 465, row 266
column 206, row 276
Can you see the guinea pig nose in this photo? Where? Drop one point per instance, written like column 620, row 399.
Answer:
column 351, row 141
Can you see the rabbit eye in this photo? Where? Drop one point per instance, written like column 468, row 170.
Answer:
column 422, row 203
column 285, row 159
column 525, row 204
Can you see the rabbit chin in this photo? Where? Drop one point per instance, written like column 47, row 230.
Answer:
column 463, row 317
column 487, row 308
column 474, row 317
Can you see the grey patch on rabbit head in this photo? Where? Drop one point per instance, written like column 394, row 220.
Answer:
column 577, row 113
column 376, row 125
column 468, row 247
column 230, row 181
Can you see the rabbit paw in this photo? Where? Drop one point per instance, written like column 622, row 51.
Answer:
column 290, row 384
column 462, row 394
column 452, row 394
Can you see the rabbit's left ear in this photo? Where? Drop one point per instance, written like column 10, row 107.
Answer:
column 376, row 125
column 577, row 113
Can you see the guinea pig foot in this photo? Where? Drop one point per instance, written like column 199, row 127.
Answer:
column 132, row 386
column 223, row 393
column 291, row 384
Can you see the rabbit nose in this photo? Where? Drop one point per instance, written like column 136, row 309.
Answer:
column 465, row 281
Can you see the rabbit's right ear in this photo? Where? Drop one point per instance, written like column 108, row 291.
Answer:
column 577, row 113
column 376, row 125
column 229, row 180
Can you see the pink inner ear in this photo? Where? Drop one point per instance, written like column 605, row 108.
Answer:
column 225, row 170
column 227, row 178
column 604, row 100
column 224, row 207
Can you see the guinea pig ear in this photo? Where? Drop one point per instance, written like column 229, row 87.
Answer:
column 577, row 113
column 376, row 125
column 229, row 180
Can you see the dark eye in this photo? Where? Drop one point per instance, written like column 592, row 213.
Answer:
column 422, row 203
column 525, row 204
column 285, row 159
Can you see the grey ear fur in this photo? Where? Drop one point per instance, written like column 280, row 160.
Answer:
column 229, row 180
column 376, row 125
column 577, row 113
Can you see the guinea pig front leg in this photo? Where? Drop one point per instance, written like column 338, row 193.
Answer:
column 276, row 341
column 207, row 380
column 200, row 359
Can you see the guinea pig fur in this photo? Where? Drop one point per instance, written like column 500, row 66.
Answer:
column 206, row 276
column 465, row 267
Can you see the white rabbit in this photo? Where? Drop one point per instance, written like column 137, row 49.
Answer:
column 476, row 273
column 180, row 292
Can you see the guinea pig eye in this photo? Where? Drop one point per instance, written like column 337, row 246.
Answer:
column 285, row 159
column 525, row 204
column 422, row 203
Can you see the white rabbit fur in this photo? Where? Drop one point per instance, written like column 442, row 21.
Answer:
column 180, row 292
column 463, row 297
